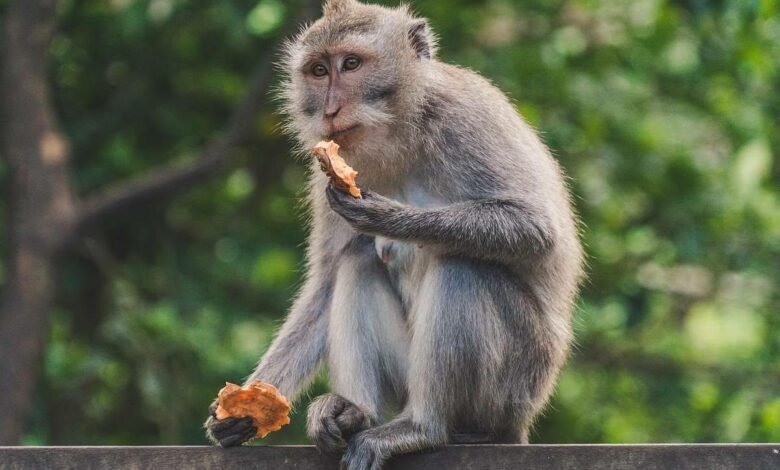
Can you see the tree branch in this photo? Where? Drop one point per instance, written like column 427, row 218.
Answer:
column 165, row 183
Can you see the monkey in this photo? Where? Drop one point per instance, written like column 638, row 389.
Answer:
column 442, row 300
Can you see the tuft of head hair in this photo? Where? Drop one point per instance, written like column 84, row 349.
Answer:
column 420, row 36
column 422, row 39
column 334, row 7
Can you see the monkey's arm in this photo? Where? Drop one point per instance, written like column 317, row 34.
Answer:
column 486, row 228
column 293, row 358
column 298, row 349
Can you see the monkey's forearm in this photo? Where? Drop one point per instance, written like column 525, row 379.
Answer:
column 297, row 351
column 487, row 228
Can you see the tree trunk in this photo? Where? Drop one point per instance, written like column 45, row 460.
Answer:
column 44, row 218
column 41, row 209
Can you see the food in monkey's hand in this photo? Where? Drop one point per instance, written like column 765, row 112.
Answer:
column 268, row 408
column 341, row 175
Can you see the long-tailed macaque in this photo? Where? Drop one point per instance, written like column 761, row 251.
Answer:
column 447, row 291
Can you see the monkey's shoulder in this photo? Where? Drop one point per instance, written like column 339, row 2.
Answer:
column 460, row 89
column 464, row 112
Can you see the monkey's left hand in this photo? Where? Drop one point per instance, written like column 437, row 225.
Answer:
column 366, row 214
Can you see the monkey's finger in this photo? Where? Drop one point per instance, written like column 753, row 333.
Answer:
column 337, row 194
column 217, row 425
column 337, row 405
column 238, row 439
column 231, row 425
column 236, row 429
column 351, row 420
column 213, row 409
column 330, row 193
column 249, row 434
column 231, row 438
column 342, row 203
column 328, row 437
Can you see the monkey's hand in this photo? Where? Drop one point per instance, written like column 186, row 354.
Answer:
column 366, row 214
column 228, row 432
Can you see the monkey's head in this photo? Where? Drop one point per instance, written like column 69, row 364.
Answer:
column 355, row 74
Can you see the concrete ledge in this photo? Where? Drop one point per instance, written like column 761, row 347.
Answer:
column 539, row 456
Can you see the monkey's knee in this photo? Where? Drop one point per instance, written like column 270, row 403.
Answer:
column 333, row 419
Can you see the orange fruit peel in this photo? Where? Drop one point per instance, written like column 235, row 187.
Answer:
column 268, row 408
column 341, row 175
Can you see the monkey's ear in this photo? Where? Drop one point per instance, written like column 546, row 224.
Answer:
column 422, row 39
column 337, row 6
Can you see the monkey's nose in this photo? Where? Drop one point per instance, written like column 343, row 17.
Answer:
column 332, row 104
column 332, row 111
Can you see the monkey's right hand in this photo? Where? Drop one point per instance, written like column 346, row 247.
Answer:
column 228, row 432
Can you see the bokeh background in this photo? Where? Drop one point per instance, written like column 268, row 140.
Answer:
column 665, row 114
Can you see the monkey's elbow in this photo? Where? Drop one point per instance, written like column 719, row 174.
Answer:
column 538, row 240
column 543, row 242
column 547, row 242
column 533, row 231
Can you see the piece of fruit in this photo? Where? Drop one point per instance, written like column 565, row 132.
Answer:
column 341, row 175
column 268, row 408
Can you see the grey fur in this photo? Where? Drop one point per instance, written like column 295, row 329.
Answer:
column 449, row 287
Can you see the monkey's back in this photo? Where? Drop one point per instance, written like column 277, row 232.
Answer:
column 487, row 150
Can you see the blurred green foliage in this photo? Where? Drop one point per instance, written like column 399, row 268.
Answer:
column 664, row 113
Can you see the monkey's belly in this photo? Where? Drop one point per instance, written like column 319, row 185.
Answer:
column 399, row 258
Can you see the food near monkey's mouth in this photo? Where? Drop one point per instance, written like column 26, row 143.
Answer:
column 341, row 175
column 268, row 408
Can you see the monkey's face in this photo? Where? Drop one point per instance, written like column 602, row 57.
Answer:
column 347, row 91
column 354, row 75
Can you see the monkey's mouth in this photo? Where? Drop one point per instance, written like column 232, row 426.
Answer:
column 341, row 133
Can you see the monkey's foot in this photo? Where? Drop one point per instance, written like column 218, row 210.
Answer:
column 363, row 453
column 333, row 419
column 369, row 449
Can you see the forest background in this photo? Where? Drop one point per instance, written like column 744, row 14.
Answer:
column 152, row 231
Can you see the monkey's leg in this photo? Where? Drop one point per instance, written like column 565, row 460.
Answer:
column 366, row 349
column 466, row 321
column 435, row 376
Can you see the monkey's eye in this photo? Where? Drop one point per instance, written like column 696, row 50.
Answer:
column 351, row 63
column 319, row 70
